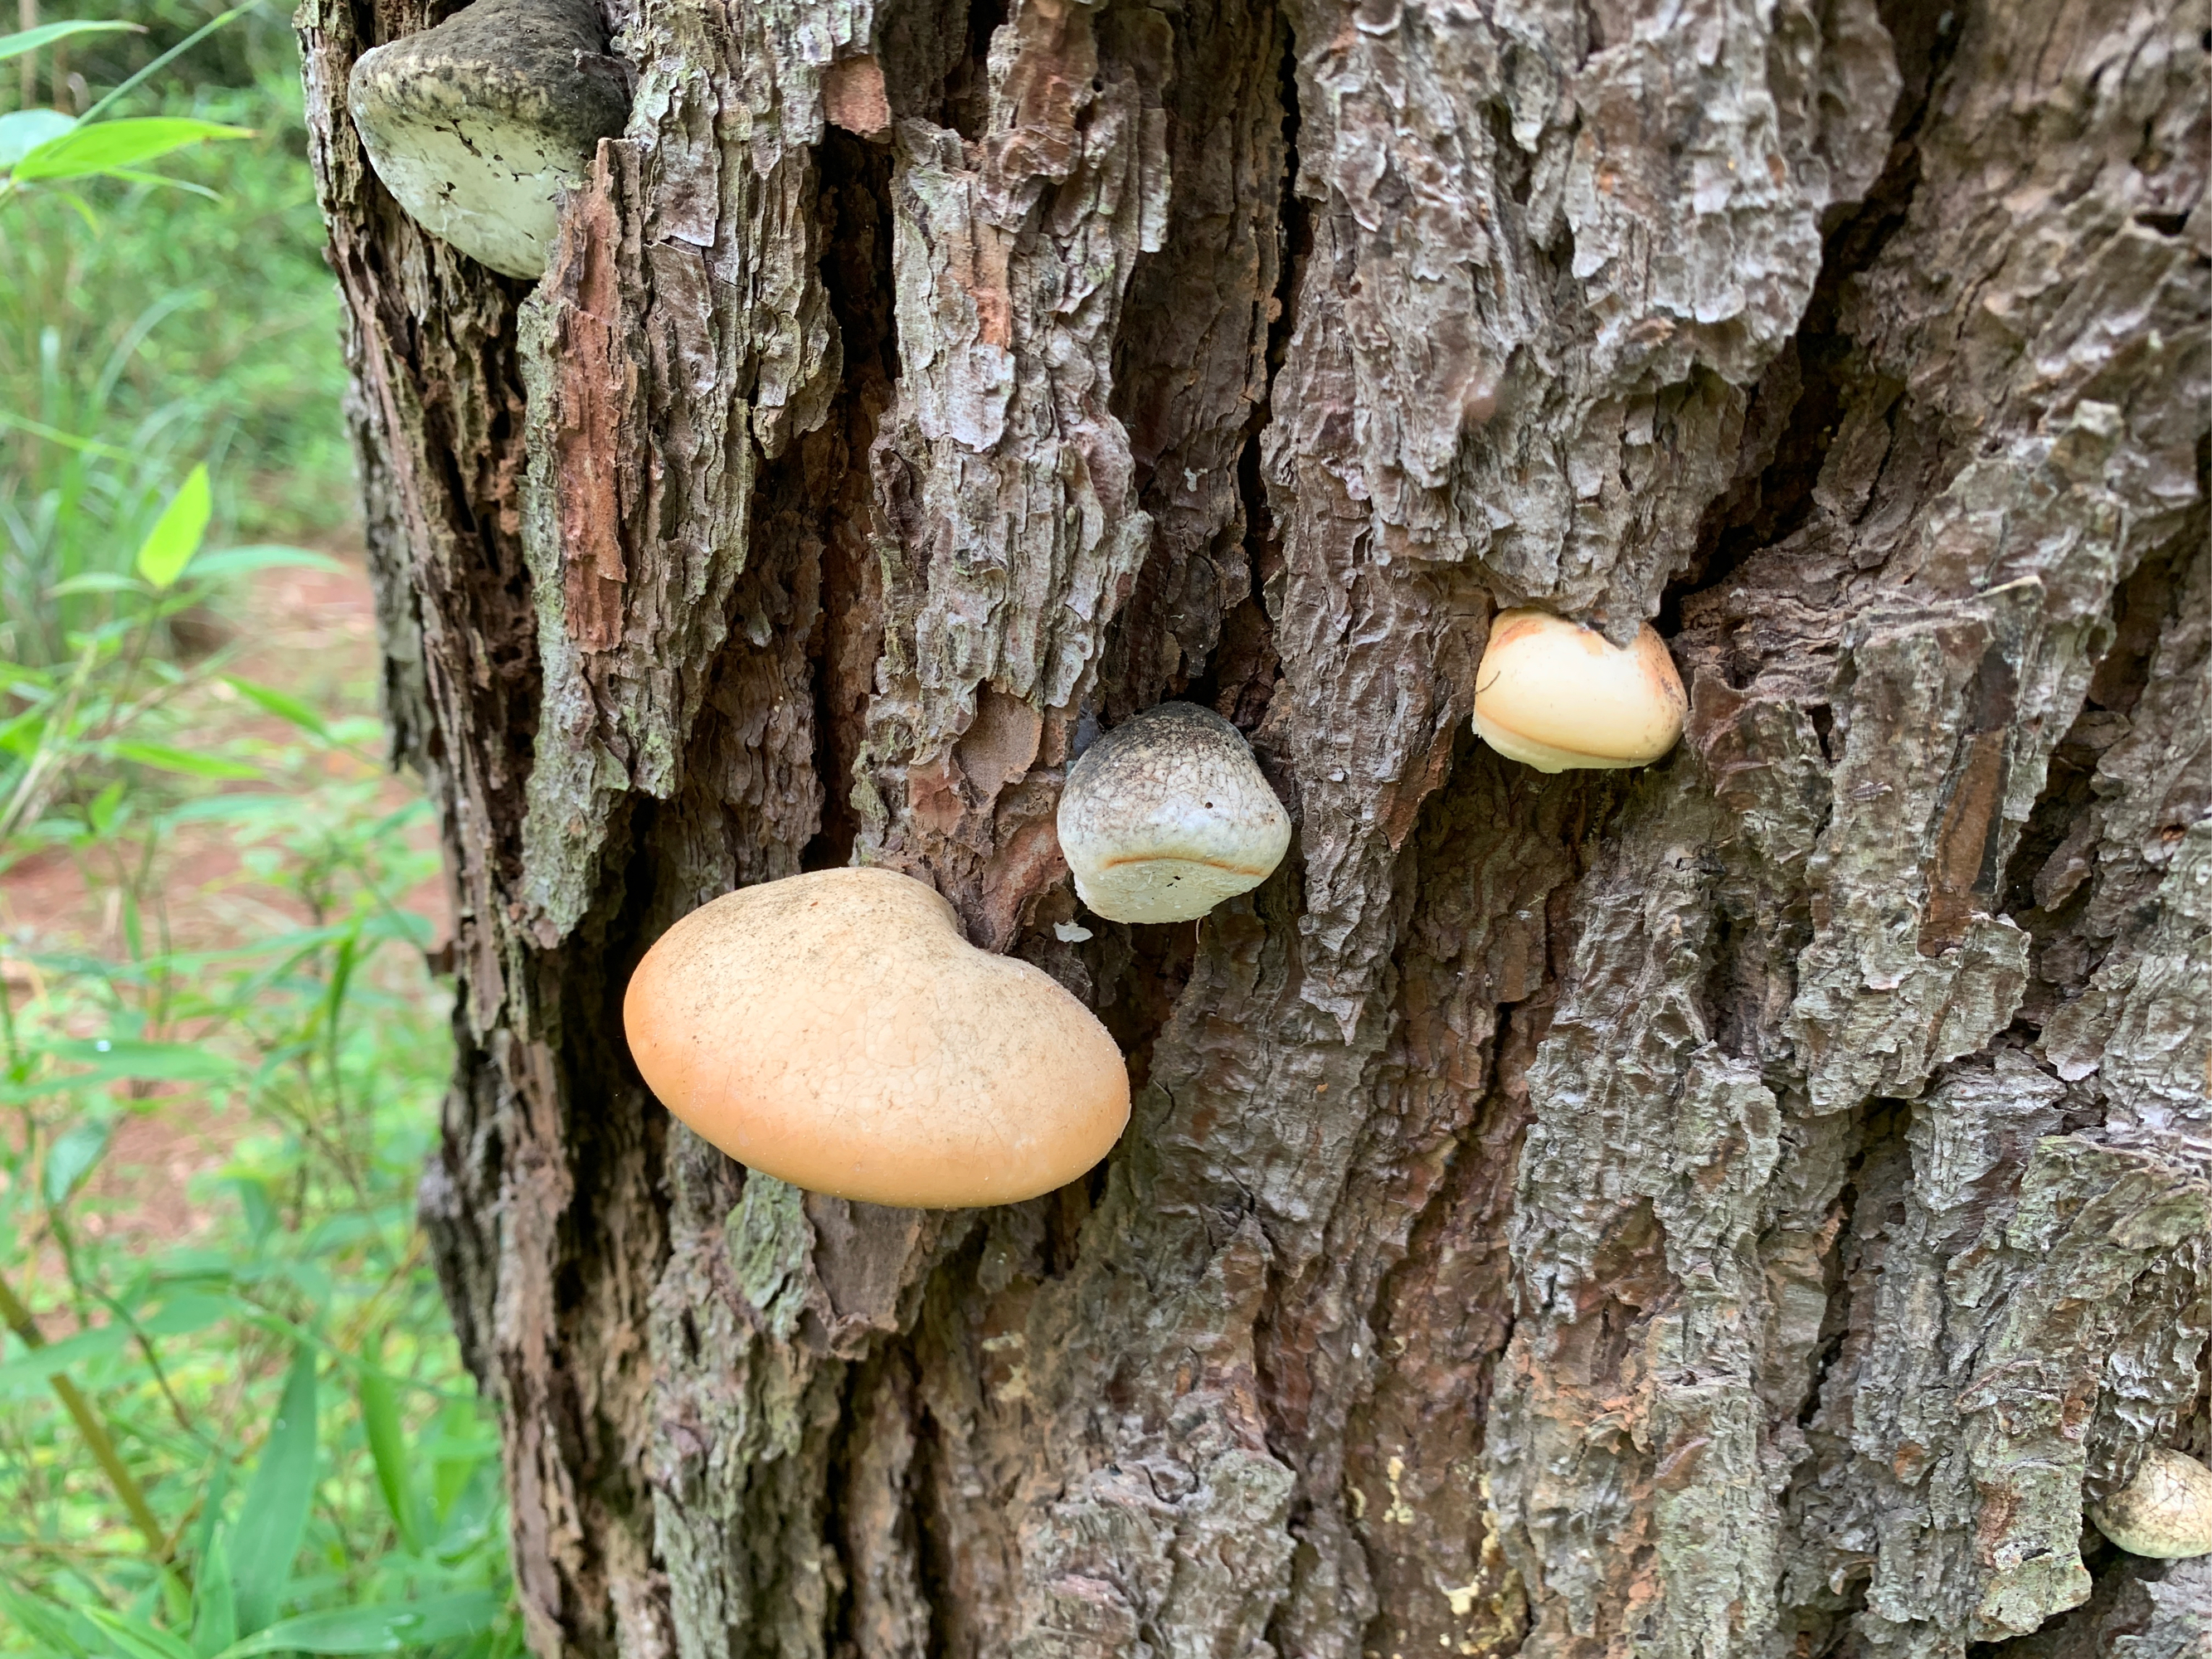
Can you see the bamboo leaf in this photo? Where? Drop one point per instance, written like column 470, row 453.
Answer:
column 280, row 704
column 176, row 535
column 71, row 1158
column 387, row 1449
column 15, row 45
column 267, row 555
column 385, row 1628
column 106, row 145
column 23, row 130
column 214, row 1600
column 162, row 756
column 136, row 1638
column 266, row 1539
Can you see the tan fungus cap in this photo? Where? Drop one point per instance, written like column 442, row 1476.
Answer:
column 1559, row 696
column 838, row 1031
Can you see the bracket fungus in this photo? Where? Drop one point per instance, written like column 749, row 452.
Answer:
column 478, row 126
column 1559, row 696
column 2165, row 1512
column 837, row 1031
column 1167, row 814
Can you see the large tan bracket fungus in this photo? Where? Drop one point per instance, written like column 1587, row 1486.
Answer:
column 1559, row 696
column 478, row 126
column 1167, row 814
column 838, row 1031
column 2165, row 1512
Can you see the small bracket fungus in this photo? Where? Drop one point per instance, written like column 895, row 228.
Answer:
column 1558, row 697
column 1167, row 814
column 838, row 1031
column 2165, row 1512
column 478, row 126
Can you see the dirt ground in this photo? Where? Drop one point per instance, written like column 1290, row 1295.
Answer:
column 312, row 634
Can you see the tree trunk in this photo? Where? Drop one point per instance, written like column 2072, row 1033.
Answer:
column 1738, row 1207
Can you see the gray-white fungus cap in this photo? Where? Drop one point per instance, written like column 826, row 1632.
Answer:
column 1167, row 814
column 478, row 126
column 2165, row 1512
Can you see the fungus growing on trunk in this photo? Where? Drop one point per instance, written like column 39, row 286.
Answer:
column 478, row 126
column 2165, row 1512
column 838, row 1031
column 1559, row 696
column 1167, row 814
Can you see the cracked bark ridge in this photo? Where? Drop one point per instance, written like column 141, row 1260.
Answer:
column 1736, row 1208
column 1009, row 528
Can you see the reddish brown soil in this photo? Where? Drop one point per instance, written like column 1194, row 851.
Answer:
column 311, row 634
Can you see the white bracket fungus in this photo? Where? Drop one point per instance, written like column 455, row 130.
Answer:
column 838, row 1031
column 478, row 126
column 2165, row 1512
column 1559, row 696
column 1167, row 814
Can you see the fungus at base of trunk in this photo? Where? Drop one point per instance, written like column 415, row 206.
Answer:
column 2165, row 1512
column 1561, row 697
column 1167, row 814
column 837, row 1031
column 478, row 126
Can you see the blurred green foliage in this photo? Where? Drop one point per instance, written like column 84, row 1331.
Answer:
column 143, row 328
column 256, row 1437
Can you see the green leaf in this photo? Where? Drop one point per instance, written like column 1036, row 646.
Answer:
column 461, row 1444
column 279, row 703
column 182, row 1314
column 138, row 1057
column 106, row 145
column 387, row 1449
column 136, row 1638
column 70, row 1159
column 63, row 1631
column 95, row 581
column 385, row 1628
column 214, row 1600
column 105, row 808
column 15, row 45
column 26, row 1374
column 162, row 756
column 263, row 555
column 266, row 1541
column 176, row 535
column 23, row 130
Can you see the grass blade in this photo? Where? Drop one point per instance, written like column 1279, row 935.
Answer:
column 214, row 1600
column 136, row 1638
column 266, row 1539
column 382, row 1629
column 387, row 1449
column 15, row 45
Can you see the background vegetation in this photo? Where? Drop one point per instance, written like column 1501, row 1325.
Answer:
column 231, row 1415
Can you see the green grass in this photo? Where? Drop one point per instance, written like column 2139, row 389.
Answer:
column 254, row 1434
column 143, row 329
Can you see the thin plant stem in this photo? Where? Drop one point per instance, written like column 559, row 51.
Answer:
column 165, row 60
column 94, row 1432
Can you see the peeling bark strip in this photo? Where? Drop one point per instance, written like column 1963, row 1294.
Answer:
column 1734, row 1209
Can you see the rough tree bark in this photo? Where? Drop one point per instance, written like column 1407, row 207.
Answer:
column 1736, row 1208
